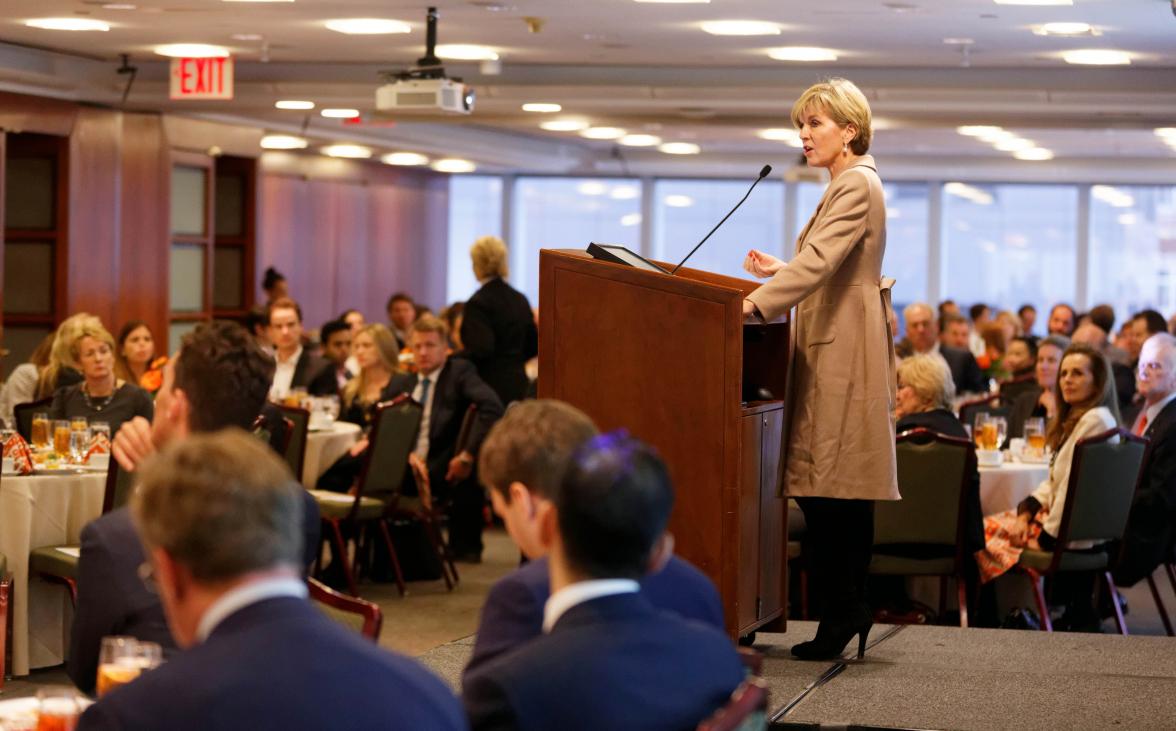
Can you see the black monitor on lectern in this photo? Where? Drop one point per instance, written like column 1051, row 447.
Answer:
column 620, row 255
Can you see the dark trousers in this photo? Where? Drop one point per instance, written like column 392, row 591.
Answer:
column 840, row 539
column 467, row 502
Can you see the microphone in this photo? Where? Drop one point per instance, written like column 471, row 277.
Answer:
column 764, row 172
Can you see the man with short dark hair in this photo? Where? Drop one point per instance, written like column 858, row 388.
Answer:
column 522, row 462
column 954, row 331
column 1144, row 324
column 335, row 337
column 1062, row 320
column 218, row 378
column 402, row 312
column 220, row 518
column 296, row 366
column 1028, row 315
column 607, row 658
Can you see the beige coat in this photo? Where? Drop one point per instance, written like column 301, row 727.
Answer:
column 840, row 440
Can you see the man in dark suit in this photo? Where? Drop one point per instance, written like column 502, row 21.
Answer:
column 218, row 379
column 498, row 329
column 335, row 337
column 447, row 388
column 607, row 658
column 522, row 462
column 921, row 334
column 296, row 366
column 1152, row 522
column 220, row 517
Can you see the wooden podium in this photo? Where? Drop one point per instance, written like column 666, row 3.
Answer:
column 669, row 359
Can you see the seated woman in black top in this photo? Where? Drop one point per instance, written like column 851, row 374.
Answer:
column 377, row 355
column 925, row 393
column 101, row 396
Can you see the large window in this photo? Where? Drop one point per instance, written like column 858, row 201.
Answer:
column 475, row 209
column 906, row 235
column 685, row 210
column 1133, row 248
column 1006, row 245
column 570, row 213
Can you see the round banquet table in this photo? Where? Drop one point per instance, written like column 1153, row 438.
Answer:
column 1001, row 488
column 324, row 446
column 37, row 511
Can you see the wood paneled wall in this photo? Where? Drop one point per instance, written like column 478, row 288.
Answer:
column 350, row 234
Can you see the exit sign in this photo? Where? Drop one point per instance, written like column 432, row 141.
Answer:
column 202, row 78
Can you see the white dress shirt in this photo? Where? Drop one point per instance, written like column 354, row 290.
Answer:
column 582, row 591
column 422, row 445
column 237, row 599
column 284, row 374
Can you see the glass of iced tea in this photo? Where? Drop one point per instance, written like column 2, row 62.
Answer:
column 118, row 663
column 59, row 708
column 61, row 433
column 980, row 430
column 40, row 430
column 1035, row 437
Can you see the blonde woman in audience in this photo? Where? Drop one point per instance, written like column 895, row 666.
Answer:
column 101, row 396
column 62, row 369
column 1087, row 405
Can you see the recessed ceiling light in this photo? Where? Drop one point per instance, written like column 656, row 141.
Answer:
column 293, row 104
column 541, row 107
column 802, row 53
column 740, row 28
column 680, row 148
column 603, row 133
column 959, row 41
column 191, row 50
column 355, row 152
column 1097, row 57
column 1065, row 29
column 674, row 2
column 1112, row 196
column 247, row 37
column 466, row 52
column 978, row 130
column 404, row 158
column 340, row 113
column 367, row 26
column 998, row 136
column 257, row 1
column 454, row 165
column 591, row 187
column 640, row 140
column 631, row 219
column 283, row 142
column 1033, row 2
column 624, row 193
column 563, row 125
column 1034, row 153
column 120, row 6
column 67, row 24
column 1013, row 144
column 678, row 201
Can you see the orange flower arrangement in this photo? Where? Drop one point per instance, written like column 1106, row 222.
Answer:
column 152, row 379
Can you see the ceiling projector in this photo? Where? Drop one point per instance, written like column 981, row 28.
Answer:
column 425, row 95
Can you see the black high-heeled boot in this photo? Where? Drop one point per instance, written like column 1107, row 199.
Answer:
column 832, row 638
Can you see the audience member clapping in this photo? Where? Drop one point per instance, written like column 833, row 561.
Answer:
column 220, row 518
column 522, row 462
column 603, row 658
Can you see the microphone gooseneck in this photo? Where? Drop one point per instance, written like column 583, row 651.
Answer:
column 764, row 172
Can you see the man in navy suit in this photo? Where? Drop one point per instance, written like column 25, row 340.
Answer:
column 218, row 379
column 522, row 462
column 607, row 658
column 446, row 388
column 220, row 517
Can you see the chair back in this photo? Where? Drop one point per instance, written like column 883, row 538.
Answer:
column 295, row 453
column 467, row 424
column 747, row 710
column 119, row 485
column 393, row 436
column 358, row 614
column 934, row 473
column 23, row 414
column 1103, row 478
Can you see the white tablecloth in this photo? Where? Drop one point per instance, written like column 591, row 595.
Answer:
column 41, row 511
column 1001, row 488
column 324, row 447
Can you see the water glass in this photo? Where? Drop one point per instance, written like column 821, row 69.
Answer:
column 1002, row 430
column 6, row 432
column 99, row 427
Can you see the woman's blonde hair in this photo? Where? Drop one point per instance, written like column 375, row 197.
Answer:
column 64, row 353
column 930, row 378
column 386, row 350
column 844, row 103
column 489, row 257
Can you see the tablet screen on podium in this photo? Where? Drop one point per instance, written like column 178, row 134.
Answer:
column 621, row 255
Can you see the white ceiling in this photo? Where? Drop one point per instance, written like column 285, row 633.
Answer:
column 647, row 67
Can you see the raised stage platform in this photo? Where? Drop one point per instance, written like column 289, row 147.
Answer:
column 917, row 677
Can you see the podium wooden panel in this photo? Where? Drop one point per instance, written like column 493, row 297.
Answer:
column 669, row 359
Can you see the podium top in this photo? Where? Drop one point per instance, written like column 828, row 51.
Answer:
column 685, row 274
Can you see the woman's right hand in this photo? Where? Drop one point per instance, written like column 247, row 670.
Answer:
column 762, row 265
column 1020, row 533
